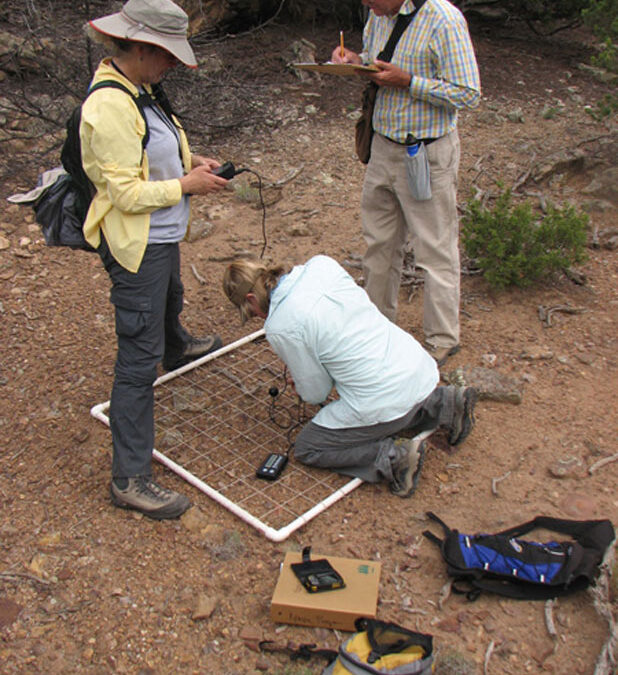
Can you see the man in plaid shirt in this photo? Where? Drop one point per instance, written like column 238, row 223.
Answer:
column 432, row 74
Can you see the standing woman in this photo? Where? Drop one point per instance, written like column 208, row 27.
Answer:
column 137, row 218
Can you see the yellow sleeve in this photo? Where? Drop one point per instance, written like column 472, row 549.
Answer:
column 111, row 135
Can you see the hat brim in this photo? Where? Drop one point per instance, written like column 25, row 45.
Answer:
column 115, row 25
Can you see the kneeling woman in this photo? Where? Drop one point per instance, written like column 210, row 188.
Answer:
column 329, row 334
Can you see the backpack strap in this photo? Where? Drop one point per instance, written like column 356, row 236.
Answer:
column 590, row 533
column 430, row 535
column 303, row 652
column 141, row 102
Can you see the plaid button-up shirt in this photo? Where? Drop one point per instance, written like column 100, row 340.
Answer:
column 437, row 51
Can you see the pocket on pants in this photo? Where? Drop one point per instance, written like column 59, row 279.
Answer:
column 132, row 312
column 418, row 174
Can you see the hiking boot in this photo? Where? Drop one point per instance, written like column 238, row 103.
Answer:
column 195, row 348
column 463, row 417
column 405, row 479
column 441, row 354
column 144, row 495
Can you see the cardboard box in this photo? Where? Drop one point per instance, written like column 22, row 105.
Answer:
column 291, row 603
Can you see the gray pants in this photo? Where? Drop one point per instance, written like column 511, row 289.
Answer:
column 369, row 452
column 148, row 305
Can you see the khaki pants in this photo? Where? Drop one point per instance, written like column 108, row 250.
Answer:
column 390, row 217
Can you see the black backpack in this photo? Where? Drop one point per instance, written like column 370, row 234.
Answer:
column 62, row 208
column 528, row 570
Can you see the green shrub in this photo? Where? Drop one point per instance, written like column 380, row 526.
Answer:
column 512, row 247
column 602, row 17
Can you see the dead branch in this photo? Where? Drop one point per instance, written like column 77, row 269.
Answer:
column 495, row 481
column 524, row 177
column 24, row 575
column 445, row 593
column 545, row 313
column 602, row 462
column 488, row 653
column 291, row 175
column 549, row 619
column 197, row 275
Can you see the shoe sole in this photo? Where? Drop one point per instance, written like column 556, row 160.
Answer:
column 470, row 399
column 159, row 514
column 417, row 473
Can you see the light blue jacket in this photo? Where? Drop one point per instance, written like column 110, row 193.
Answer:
column 328, row 332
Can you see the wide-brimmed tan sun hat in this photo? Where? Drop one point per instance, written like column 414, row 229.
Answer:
column 158, row 22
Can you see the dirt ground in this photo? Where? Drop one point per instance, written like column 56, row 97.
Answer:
column 85, row 587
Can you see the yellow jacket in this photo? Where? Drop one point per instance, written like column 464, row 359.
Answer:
column 111, row 135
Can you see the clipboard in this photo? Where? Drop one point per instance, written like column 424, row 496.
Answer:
column 336, row 68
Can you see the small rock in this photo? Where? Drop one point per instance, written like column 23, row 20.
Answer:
column 566, row 467
column 4, row 243
column 262, row 664
column 194, row 520
column 199, row 230
column 299, row 230
column 51, row 540
column 580, row 507
column 537, row 354
column 251, row 636
column 450, row 625
column 489, row 360
column 206, row 605
column 81, row 436
column 489, row 383
column 489, row 625
column 9, row 611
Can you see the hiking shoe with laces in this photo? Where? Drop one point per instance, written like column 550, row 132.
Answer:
column 405, row 479
column 195, row 348
column 463, row 418
column 144, row 495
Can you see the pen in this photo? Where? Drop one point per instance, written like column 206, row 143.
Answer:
column 341, row 43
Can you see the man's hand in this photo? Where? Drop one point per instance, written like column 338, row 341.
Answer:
column 390, row 75
column 348, row 56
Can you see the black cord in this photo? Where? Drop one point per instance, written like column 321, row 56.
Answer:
column 262, row 204
column 293, row 424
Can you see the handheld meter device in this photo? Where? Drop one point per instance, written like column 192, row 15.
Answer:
column 272, row 466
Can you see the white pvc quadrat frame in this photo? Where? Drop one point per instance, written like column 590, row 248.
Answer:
column 99, row 412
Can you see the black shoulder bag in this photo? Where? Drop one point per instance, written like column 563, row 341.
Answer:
column 364, row 125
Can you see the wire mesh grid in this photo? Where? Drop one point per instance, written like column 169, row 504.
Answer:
column 216, row 422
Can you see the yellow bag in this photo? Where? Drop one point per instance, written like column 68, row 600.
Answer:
column 380, row 648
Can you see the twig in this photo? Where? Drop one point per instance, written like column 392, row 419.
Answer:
column 549, row 619
column 286, row 179
column 488, row 653
column 545, row 313
column 197, row 275
column 495, row 481
column 602, row 462
column 24, row 575
column 524, row 177
column 445, row 593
